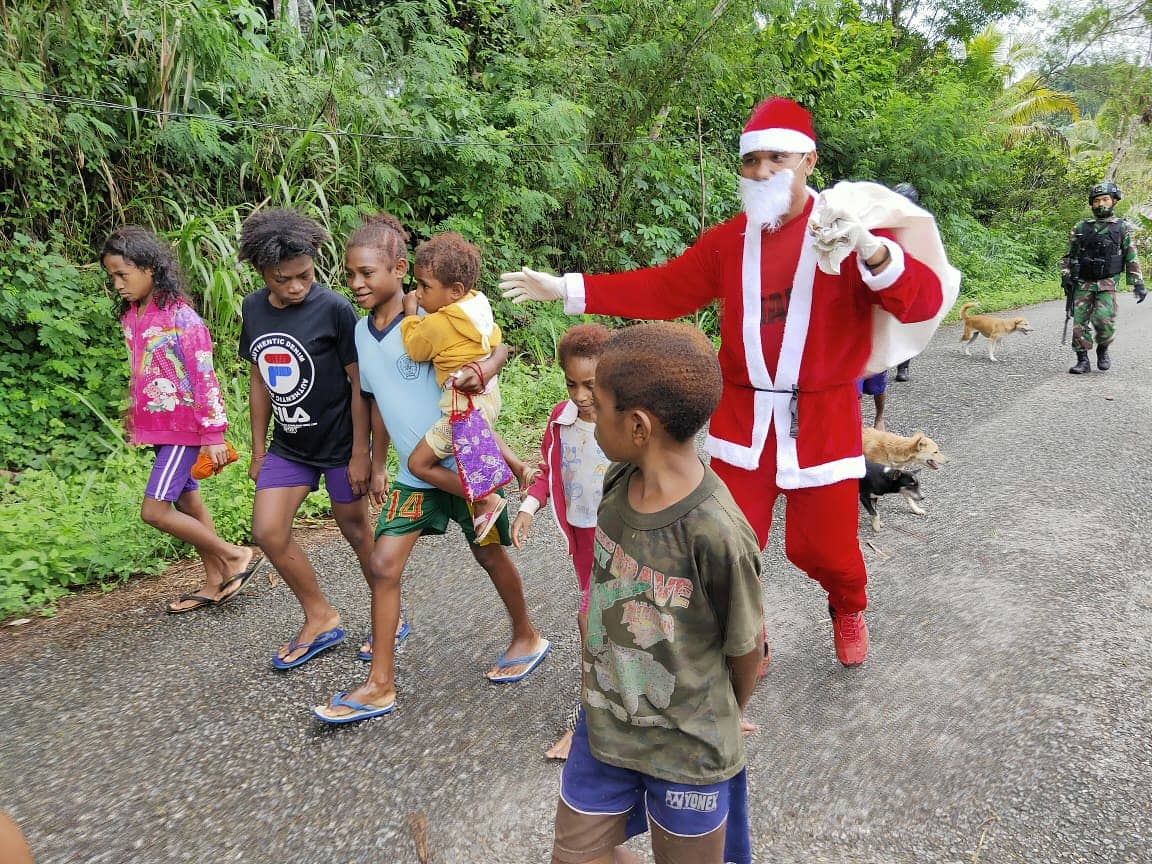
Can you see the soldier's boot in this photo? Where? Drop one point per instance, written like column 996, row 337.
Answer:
column 1103, row 361
column 1082, row 364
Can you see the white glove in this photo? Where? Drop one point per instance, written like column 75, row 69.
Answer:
column 532, row 285
column 836, row 233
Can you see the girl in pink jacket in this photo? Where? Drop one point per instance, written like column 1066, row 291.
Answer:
column 572, row 467
column 176, row 407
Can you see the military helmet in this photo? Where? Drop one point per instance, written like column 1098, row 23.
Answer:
column 1106, row 188
column 908, row 191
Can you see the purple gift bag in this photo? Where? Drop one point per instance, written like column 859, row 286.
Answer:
column 481, row 468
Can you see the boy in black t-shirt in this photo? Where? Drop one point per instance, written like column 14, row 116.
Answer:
column 299, row 337
column 673, row 642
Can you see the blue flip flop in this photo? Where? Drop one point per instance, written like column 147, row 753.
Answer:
column 533, row 660
column 359, row 710
column 401, row 635
column 328, row 639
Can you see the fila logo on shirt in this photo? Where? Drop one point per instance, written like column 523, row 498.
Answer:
column 701, row 802
column 287, row 371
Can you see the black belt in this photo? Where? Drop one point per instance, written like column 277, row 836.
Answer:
column 794, row 429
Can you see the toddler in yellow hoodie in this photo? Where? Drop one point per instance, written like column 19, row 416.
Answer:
column 457, row 330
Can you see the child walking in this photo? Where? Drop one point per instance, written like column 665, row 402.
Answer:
column 176, row 407
column 457, row 331
column 572, row 471
column 299, row 337
column 674, row 620
column 405, row 399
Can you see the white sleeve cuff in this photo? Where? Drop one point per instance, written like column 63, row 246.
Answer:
column 887, row 277
column 574, row 299
column 529, row 505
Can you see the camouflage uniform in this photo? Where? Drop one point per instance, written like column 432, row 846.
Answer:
column 1094, row 303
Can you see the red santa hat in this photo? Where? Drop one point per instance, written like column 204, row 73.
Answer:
column 778, row 124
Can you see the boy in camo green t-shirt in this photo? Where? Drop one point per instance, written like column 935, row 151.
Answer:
column 674, row 620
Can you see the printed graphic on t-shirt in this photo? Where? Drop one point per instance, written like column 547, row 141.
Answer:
column 582, row 467
column 633, row 673
column 164, row 356
column 408, row 368
column 287, row 371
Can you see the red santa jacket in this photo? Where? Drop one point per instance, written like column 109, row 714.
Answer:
column 821, row 349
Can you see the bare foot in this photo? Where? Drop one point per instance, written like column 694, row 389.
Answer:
column 366, row 645
column 209, row 593
column 485, row 505
column 367, row 694
column 620, row 855
column 240, row 560
column 748, row 728
column 560, row 749
column 305, row 637
column 879, row 425
column 527, row 648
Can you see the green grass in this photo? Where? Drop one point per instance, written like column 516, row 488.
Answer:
column 1012, row 295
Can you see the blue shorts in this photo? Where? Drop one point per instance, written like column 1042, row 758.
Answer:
column 171, row 473
column 592, row 790
column 873, row 385
column 280, row 473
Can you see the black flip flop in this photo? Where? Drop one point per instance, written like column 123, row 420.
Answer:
column 201, row 602
column 242, row 578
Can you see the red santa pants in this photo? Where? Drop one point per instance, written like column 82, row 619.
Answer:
column 820, row 522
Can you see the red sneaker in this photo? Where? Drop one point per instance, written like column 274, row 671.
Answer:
column 850, row 634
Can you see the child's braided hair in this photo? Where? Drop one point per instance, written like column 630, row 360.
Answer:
column 148, row 252
column 669, row 370
column 269, row 237
column 382, row 231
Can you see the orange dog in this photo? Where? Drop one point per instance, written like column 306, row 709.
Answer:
column 991, row 327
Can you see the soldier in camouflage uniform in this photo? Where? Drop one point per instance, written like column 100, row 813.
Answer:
column 1099, row 250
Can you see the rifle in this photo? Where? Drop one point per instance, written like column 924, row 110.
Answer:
column 1068, row 283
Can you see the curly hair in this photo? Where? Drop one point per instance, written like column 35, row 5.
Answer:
column 383, row 232
column 148, row 252
column 451, row 258
column 669, row 370
column 271, row 236
column 583, row 340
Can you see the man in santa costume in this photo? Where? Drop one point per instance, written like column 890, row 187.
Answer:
column 811, row 300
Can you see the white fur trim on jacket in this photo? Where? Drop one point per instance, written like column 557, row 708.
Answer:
column 575, row 297
column 772, row 401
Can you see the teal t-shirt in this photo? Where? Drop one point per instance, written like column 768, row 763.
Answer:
column 405, row 391
column 673, row 594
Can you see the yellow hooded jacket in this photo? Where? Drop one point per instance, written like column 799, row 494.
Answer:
column 452, row 336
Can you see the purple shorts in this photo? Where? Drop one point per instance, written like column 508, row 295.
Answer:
column 171, row 473
column 873, row 385
column 280, row 473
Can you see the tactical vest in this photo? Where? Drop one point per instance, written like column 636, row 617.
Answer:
column 1101, row 253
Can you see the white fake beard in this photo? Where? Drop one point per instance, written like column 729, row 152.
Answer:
column 767, row 201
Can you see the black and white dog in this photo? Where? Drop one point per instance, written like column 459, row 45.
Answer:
column 883, row 480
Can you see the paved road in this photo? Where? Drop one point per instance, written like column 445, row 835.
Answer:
column 1005, row 713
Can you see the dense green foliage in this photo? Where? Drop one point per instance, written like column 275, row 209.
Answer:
column 578, row 136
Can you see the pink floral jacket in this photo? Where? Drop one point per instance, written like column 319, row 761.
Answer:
column 175, row 394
